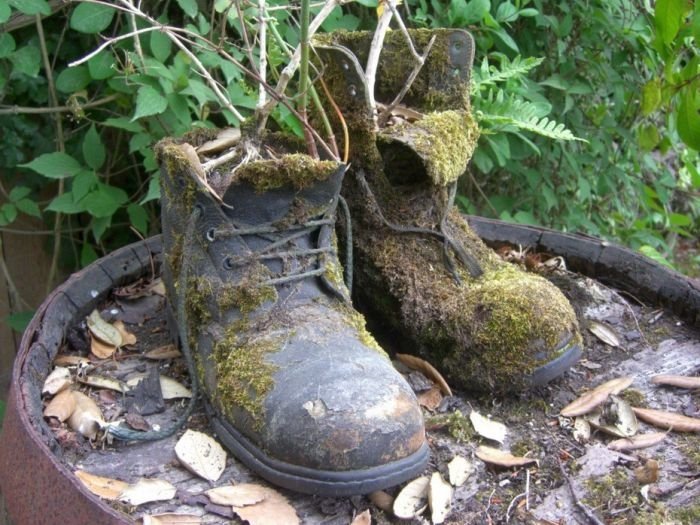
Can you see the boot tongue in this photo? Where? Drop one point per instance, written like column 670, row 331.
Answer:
column 266, row 192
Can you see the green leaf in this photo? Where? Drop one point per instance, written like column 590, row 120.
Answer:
column 161, row 45
column 55, row 165
column 139, row 141
column 88, row 255
column 651, row 96
column 94, row 151
column 5, row 11
column 695, row 26
column 31, row 7
column 83, row 183
column 19, row 320
column 73, row 79
column 65, row 204
column 189, row 7
column 668, row 15
column 8, row 213
column 7, row 45
column 680, row 219
column 105, row 200
column 153, row 192
column 27, row 60
column 123, row 123
column 138, row 218
column 149, row 102
column 91, row 18
column 101, row 66
column 688, row 117
column 29, row 207
column 655, row 255
column 2, row 403
column 99, row 226
column 19, row 192
column 648, row 137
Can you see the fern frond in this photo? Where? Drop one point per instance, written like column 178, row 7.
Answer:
column 488, row 75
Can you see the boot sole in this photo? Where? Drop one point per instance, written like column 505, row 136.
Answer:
column 555, row 368
column 315, row 481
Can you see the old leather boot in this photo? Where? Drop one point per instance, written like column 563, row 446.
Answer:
column 296, row 387
column 419, row 268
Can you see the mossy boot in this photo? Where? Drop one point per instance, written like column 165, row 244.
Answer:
column 295, row 386
column 420, row 271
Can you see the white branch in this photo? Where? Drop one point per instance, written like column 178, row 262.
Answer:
column 374, row 52
column 262, row 39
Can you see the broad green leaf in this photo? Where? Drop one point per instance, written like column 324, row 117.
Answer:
column 161, row 45
column 651, row 96
column 695, row 26
column 5, row 11
column 525, row 217
column 19, row 192
column 73, row 79
column 7, row 45
column 680, row 219
column 655, row 255
column 65, row 204
column 88, row 255
column 29, row 207
column 55, row 165
column 138, row 218
column 101, row 66
column 139, row 141
column 668, row 15
column 94, row 151
column 189, row 7
column 648, row 137
column 27, row 59
column 8, row 213
column 153, row 192
column 19, row 320
column 31, row 7
column 83, row 183
column 506, row 12
column 688, row 117
column 123, row 123
column 105, row 200
column 99, row 226
column 91, row 18
column 149, row 102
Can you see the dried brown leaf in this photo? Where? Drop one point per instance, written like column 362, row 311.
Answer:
column 103, row 382
column 382, row 500
column 488, row 428
column 163, row 352
column 637, row 442
column 615, row 418
column 413, row 498
column 147, row 490
column 679, row 381
column 416, row 363
column 103, row 331
column 127, row 337
column 61, row 406
column 101, row 350
column 364, row 518
column 501, row 458
column 459, row 470
column 439, row 498
column 604, row 333
column 86, row 417
column 56, row 381
column 70, row 360
column 274, row 509
column 595, row 397
column 430, row 399
column 171, row 389
column 106, row 488
column 237, row 495
column 201, row 454
column 582, row 430
column 226, row 138
column 668, row 420
column 647, row 473
column 170, row 518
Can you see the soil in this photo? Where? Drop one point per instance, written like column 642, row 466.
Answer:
column 608, row 485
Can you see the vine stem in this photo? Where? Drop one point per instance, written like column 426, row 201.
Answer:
column 15, row 110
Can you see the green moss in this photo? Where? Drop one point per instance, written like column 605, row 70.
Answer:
column 689, row 445
column 634, row 397
column 524, row 446
column 199, row 292
column 177, row 168
column 250, row 293
column 297, row 169
column 687, row 515
column 456, row 423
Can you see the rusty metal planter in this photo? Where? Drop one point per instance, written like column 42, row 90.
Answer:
column 36, row 485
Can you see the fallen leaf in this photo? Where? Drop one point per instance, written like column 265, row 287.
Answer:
column 86, row 417
column 274, row 509
column 56, row 381
column 669, row 420
column 127, row 337
column 137, row 421
column 157, row 287
column 101, row 350
column 591, row 365
column 679, row 381
column 647, row 473
column 459, row 470
column 501, row 458
column 197, row 171
column 430, row 399
column 429, row 370
column 595, row 397
column 171, row 389
column 615, row 418
column 170, row 518
column 488, row 428
column 201, row 454
column 70, row 360
column 61, row 406
column 163, row 352
column 439, row 498
column 364, row 518
column 604, row 333
column 582, row 430
column 103, row 331
column 104, row 382
column 412, row 499
column 382, row 500
column 637, row 442
column 226, row 138
column 106, row 488
column 237, row 495
column 147, row 490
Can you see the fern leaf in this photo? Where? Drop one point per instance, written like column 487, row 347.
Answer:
column 488, row 75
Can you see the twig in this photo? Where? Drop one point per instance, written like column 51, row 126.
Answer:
column 262, row 38
column 15, row 110
column 304, row 77
column 481, row 192
column 588, row 512
column 527, row 489
column 137, row 40
column 16, row 299
column 373, row 58
column 343, row 124
column 381, row 120
column 403, row 29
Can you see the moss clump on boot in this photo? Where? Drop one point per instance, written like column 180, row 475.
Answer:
column 250, row 293
column 298, row 169
column 177, row 167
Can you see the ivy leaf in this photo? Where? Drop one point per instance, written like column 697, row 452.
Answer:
column 93, row 150
column 138, row 218
column 91, row 18
column 688, row 117
column 149, row 102
column 27, row 60
column 31, row 7
column 73, row 79
column 668, row 15
column 189, row 7
column 7, row 45
column 55, row 165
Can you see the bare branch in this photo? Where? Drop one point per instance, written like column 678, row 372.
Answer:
column 262, row 42
column 374, row 52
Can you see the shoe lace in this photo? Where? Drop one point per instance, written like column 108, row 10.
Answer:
column 448, row 243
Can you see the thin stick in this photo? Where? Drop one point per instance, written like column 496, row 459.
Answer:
column 373, row 58
column 15, row 110
column 304, row 76
column 588, row 512
column 343, row 124
column 404, row 30
column 262, row 42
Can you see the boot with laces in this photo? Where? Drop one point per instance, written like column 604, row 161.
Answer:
column 295, row 386
column 421, row 273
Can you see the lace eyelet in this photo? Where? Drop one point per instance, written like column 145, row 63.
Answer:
column 211, row 234
column 228, row 263
column 345, row 65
